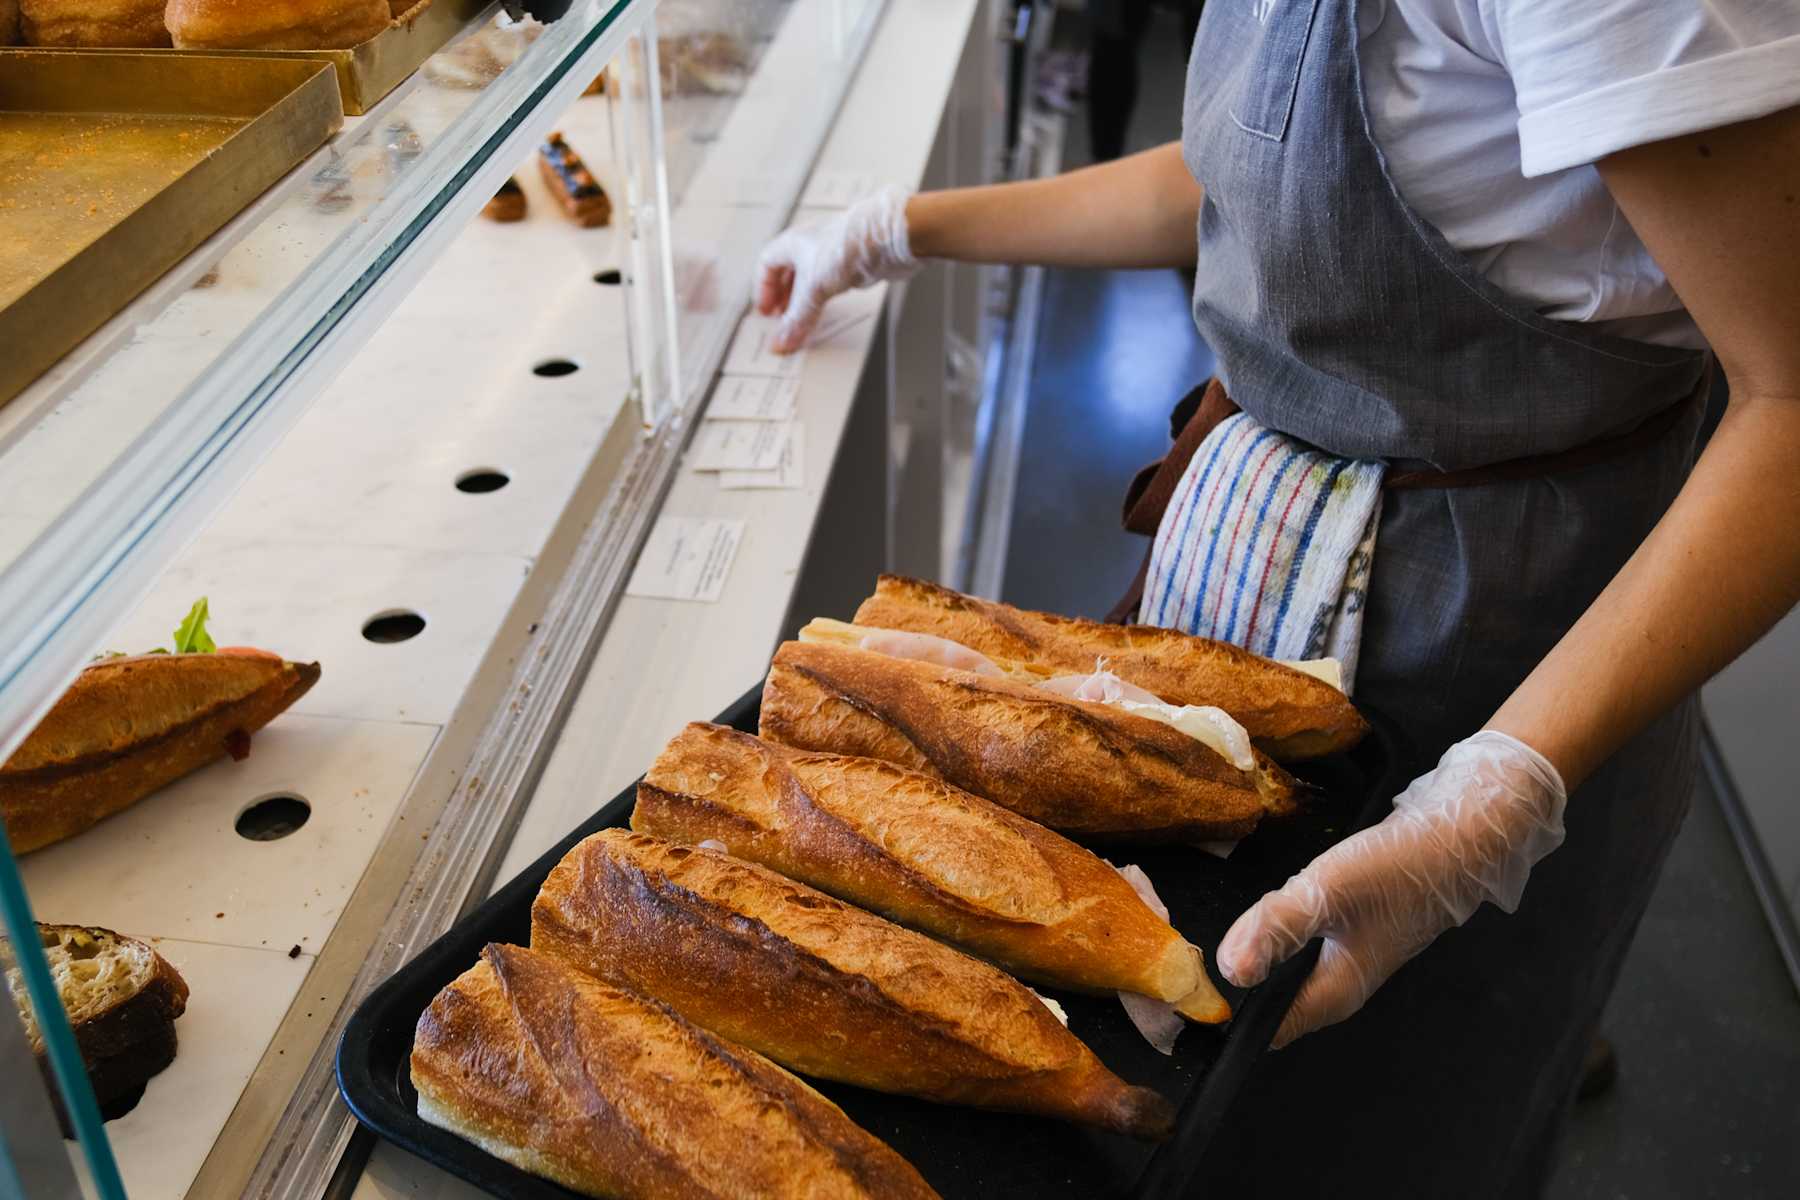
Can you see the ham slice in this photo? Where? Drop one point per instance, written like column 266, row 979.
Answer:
column 1212, row 727
column 1156, row 1020
column 926, row 647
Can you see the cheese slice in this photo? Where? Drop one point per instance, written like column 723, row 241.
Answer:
column 1327, row 670
column 895, row 643
column 1158, row 1021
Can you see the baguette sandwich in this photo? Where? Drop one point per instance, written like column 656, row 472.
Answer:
column 131, row 725
column 612, row 1094
column 1077, row 766
column 121, row 998
column 1291, row 712
column 821, row 987
column 927, row 855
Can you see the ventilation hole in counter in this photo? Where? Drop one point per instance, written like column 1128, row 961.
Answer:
column 482, row 479
column 396, row 626
column 553, row 368
column 610, row 277
column 273, row 818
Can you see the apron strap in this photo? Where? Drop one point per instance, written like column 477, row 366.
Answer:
column 1151, row 489
column 1202, row 409
column 1537, row 466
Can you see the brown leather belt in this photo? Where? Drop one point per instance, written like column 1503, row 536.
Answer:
column 1202, row 409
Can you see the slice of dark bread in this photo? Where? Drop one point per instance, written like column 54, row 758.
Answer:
column 119, row 1079
column 121, row 997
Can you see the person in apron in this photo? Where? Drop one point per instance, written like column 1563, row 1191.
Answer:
column 1493, row 516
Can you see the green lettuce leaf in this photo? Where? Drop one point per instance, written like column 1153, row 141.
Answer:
column 190, row 635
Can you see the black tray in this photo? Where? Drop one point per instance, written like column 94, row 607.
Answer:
column 961, row 1152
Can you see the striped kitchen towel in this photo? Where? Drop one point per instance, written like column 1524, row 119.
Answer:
column 1266, row 543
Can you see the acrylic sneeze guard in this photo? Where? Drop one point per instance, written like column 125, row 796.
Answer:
column 196, row 422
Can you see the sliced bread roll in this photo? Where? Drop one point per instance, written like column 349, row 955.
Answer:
column 93, row 23
column 1077, row 766
column 121, row 998
column 821, row 987
column 925, row 854
column 116, row 990
column 131, row 725
column 1291, row 715
column 276, row 24
column 613, row 1094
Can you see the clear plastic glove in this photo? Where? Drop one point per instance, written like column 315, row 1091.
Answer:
column 804, row 267
column 1469, row 830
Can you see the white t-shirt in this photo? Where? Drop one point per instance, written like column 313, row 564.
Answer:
column 1492, row 112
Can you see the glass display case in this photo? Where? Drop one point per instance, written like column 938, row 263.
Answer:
column 403, row 425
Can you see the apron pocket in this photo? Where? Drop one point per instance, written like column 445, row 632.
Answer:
column 1267, row 97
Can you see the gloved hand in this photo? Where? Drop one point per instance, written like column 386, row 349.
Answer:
column 804, row 267
column 1467, row 831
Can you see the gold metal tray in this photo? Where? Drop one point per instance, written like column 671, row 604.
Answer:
column 114, row 166
column 367, row 72
column 370, row 71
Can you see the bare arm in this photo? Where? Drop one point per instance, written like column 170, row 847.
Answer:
column 1138, row 211
column 1720, row 211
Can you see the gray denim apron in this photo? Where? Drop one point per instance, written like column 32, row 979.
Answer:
column 1341, row 317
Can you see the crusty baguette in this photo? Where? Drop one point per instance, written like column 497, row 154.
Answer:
column 1076, row 766
column 1289, row 714
column 129, row 726
column 925, row 854
column 613, row 1094
column 822, row 987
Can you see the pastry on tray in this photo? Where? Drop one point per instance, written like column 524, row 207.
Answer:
column 276, row 24
column 574, row 186
column 1291, row 714
column 508, row 204
column 121, row 998
column 1079, row 766
column 92, row 23
column 132, row 724
column 613, row 1094
column 927, row 855
column 822, row 987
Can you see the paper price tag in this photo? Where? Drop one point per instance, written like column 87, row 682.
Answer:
column 750, row 353
column 686, row 558
column 738, row 446
column 753, row 398
column 790, row 474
